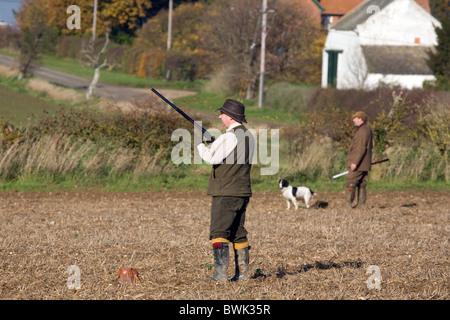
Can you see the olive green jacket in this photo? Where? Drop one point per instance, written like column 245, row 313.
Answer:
column 232, row 176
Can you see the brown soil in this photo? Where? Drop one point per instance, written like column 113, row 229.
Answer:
column 304, row 254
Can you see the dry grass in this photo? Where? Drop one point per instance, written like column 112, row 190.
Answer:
column 45, row 87
column 221, row 81
column 8, row 72
column 60, row 154
column 418, row 164
column 318, row 156
column 55, row 92
column 308, row 254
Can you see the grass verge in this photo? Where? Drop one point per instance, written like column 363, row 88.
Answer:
column 191, row 180
column 20, row 104
column 110, row 76
column 209, row 102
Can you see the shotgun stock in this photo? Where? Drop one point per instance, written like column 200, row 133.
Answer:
column 346, row 172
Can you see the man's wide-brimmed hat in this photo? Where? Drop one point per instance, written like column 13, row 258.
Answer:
column 360, row 114
column 234, row 109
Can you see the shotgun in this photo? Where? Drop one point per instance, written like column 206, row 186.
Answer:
column 346, row 172
column 208, row 136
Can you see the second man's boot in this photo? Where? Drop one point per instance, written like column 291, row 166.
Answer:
column 350, row 196
column 361, row 197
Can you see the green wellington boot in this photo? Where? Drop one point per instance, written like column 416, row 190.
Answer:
column 221, row 259
column 350, row 196
column 241, row 260
column 361, row 197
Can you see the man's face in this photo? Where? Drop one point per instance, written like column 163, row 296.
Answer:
column 226, row 119
column 357, row 121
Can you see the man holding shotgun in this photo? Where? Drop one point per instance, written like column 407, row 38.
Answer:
column 230, row 188
column 359, row 160
column 229, row 185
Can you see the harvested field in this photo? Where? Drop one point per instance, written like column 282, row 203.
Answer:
column 305, row 254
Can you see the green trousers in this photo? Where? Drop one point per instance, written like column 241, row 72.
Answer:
column 228, row 219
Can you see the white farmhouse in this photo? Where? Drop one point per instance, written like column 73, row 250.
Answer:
column 380, row 42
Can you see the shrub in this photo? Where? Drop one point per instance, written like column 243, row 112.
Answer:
column 8, row 134
column 90, row 144
column 434, row 122
column 288, row 97
column 187, row 66
column 69, row 47
column 152, row 65
column 221, row 82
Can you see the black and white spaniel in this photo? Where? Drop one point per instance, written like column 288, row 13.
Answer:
column 291, row 194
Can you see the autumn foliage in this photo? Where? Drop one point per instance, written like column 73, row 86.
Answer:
column 114, row 14
column 207, row 37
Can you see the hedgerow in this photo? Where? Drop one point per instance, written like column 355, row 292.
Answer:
column 87, row 143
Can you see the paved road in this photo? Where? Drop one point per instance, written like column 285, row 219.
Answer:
column 107, row 91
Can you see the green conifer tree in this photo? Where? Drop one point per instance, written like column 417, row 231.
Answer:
column 439, row 57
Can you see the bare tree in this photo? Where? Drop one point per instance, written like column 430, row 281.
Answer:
column 294, row 44
column 94, row 58
column 357, row 68
column 235, row 32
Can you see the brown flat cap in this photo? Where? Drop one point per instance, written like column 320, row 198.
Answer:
column 360, row 114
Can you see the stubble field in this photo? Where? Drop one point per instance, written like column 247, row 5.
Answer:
column 305, row 254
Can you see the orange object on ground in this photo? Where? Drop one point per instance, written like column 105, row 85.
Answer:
column 129, row 275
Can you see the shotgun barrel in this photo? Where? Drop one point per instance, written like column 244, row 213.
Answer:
column 208, row 136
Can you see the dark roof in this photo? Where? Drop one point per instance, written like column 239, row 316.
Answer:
column 396, row 59
column 359, row 14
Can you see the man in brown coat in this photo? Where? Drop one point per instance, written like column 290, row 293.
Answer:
column 359, row 160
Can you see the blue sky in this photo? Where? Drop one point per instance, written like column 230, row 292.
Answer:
column 6, row 7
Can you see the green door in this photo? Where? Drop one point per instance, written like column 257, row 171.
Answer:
column 332, row 66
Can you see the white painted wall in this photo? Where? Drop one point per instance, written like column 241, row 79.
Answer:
column 398, row 24
column 351, row 56
column 374, row 80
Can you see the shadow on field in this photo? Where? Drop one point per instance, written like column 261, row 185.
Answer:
column 325, row 265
